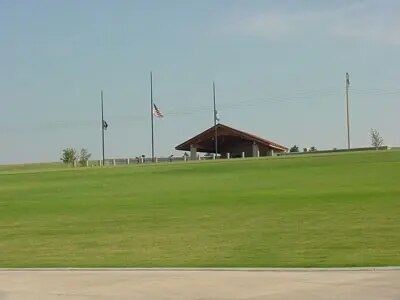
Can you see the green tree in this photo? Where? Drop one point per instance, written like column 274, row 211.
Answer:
column 295, row 148
column 69, row 156
column 84, row 156
column 313, row 149
column 376, row 139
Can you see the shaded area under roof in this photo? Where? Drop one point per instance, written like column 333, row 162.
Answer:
column 230, row 140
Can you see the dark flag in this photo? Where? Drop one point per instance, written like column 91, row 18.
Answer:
column 105, row 125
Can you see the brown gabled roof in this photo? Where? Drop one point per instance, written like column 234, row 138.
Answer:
column 245, row 135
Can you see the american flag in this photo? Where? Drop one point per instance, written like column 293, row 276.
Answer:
column 156, row 112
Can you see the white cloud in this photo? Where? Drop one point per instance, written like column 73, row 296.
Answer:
column 268, row 24
column 369, row 29
column 360, row 21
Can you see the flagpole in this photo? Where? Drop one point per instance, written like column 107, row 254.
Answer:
column 215, row 124
column 152, row 116
column 347, row 110
column 102, row 125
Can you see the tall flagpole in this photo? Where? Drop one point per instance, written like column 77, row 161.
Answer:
column 215, row 124
column 347, row 110
column 102, row 125
column 152, row 116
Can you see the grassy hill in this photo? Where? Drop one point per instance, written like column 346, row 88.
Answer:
column 335, row 210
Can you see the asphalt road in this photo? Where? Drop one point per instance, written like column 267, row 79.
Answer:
column 199, row 285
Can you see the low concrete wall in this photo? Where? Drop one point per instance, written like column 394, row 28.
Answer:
column 333, row 151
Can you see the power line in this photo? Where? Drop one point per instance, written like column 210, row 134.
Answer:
column 299, row 96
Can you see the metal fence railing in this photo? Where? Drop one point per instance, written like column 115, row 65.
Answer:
column 133, row 161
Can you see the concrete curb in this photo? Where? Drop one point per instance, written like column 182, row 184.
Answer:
column 350, row 269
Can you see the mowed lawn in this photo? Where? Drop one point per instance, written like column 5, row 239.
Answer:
column 321, row 211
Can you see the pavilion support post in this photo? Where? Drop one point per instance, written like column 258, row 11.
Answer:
column 228, row 155
column 243, row 155
column 193, row 152
column 127, row 161
column 255, row 150
column 113, row 162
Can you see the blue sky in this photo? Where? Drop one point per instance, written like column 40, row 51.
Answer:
column 279, row 68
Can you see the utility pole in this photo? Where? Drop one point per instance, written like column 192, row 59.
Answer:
column 152, row 116
column 347, row 109
column 102, row 125
column 215, row 124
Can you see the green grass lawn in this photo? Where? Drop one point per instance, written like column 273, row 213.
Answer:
column 334, row 210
